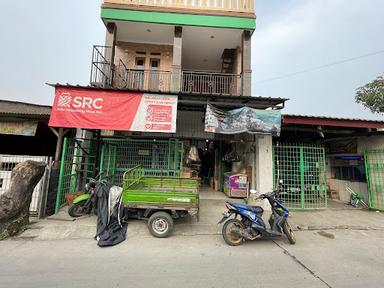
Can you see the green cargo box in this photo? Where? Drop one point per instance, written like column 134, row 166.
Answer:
column 160, row 193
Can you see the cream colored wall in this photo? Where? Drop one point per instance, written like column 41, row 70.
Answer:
column 369, row 143
column 126, row 51
column 341, row 186
column 363, row 144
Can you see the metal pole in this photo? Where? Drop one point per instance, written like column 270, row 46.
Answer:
column 98, row 141
column 61, row 177
column 59, row 146
column 302, row 171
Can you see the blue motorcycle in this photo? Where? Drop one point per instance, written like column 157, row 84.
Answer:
column 249, row 225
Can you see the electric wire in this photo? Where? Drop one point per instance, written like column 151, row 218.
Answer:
column 321, row 67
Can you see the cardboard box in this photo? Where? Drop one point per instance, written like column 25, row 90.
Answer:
column 186, row 173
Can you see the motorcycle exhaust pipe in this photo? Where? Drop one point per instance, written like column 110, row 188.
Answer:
column 244, row 233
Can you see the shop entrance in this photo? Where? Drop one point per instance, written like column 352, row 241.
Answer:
column 220, row 165
column 200, row 160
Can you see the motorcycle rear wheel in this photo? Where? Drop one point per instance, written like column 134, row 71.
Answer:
column 229, row 237
column 78, row 209
column 289, row 233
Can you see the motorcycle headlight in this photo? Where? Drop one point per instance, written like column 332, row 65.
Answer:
column 87, row 186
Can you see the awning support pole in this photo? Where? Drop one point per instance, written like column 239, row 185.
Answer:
column 60, row 133
column 98, row 140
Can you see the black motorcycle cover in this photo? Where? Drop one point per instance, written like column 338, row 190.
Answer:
column 111, row 230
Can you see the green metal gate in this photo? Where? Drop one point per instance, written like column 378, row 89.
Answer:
column 157, row 157
column 108, row 161
column 303, row 171
column 374, row 167
column 162, row 158
column 77, row 164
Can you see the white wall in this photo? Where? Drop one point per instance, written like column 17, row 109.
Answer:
column 264, row 167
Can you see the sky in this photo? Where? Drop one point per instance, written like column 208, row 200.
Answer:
column 49, row 41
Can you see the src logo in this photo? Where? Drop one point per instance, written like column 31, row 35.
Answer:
column 64, row 100
column 67, row 101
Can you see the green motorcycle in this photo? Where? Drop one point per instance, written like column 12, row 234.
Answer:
column 83, row 204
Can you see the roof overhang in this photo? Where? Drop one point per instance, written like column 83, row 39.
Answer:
column 21, row 110
column 331, row 121
column 180, row 19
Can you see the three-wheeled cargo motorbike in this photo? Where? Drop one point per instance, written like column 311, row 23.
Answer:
column 158, row 200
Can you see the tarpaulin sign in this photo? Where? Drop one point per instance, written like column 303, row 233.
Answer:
column 242, row 120
column 113, row 110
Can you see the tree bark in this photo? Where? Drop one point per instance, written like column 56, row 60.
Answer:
column 15, row 202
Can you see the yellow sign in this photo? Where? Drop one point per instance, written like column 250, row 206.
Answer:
column 23, row 128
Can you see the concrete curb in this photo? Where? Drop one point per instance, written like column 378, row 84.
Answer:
column 336, row 227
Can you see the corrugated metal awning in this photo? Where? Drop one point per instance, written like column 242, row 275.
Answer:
column 331, row 121
column 198, row 102
column 24, row 110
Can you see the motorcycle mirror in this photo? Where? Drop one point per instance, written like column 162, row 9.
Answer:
column 253, row 191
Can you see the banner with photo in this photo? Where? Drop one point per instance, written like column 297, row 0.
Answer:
column 242, row 120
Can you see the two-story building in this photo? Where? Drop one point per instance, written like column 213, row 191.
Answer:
column 178, row 57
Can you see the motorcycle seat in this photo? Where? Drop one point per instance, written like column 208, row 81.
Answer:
column 255, row 209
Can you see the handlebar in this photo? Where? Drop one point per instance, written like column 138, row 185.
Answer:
column 272, row 193
column 267, row 195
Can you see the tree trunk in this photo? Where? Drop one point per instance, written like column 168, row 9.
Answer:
column 15, row 202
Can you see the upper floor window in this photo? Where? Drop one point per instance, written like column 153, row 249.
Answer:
column 140, row 63
column 155, row 64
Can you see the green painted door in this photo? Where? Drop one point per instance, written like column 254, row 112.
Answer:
column 374, row 167
column 303, row 171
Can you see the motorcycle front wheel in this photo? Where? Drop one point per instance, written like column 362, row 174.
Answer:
column 289, row 233
column 78, row 209
column 231, row 238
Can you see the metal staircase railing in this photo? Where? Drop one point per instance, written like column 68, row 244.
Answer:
column 101, row 69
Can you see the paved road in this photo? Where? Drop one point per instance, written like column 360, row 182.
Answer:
column 350, row 259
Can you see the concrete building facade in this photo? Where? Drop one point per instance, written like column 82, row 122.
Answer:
column 199, row 52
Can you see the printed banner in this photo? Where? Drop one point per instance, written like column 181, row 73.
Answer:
column 242, row 120
column 114, row 110
column 23, row 128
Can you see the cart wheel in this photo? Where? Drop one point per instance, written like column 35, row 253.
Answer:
column 160, row 224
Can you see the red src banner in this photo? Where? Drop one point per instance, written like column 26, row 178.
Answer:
column 113, row 110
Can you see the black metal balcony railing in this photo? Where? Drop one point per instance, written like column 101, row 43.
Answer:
column 145, row 80
column 211, row 83
column 101, row 69
column 104, row 74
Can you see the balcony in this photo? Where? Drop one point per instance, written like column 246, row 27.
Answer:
column 210, row 83
column 142, row 80
column 243, row 6
column 105, row 75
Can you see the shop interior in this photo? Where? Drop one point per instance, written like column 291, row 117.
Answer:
column 219, row 165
